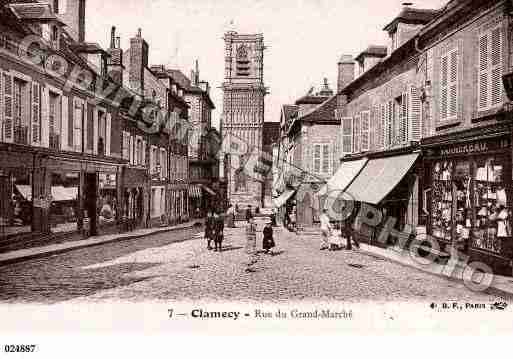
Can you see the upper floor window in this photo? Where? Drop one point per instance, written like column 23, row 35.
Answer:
column 322, row 159
column 448, row 108
column 126, row 145
column 102, row 132
column 490, row 69
column 54, row 119
column 78, row 119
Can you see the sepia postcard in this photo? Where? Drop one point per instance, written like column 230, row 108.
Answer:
column 239, row 167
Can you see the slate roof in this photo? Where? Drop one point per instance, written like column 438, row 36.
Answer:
column 34, row 12
column 311, row 100
column 411, row 15
column 373, row 50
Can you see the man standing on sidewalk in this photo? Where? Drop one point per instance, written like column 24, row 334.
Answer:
column 347, row 230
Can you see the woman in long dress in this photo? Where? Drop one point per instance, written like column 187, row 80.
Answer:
column 268, row 241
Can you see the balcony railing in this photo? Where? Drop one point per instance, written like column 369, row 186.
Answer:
column 21, row 135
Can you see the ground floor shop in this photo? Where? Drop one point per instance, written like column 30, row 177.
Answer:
column 388, row 183
column 468, row 182
column 60, row 195
column 178, row 208
column 134, row 205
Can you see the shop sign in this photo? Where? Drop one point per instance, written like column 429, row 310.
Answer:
column 42, row 202
column 475, row 147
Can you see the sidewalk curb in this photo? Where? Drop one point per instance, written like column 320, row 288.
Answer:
column 87, row 245
column 491, row 290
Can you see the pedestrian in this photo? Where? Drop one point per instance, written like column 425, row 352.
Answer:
column 209, row 228
column 230, row 213
column 251, row 244
column 268, row 241
column 218, row 234
column 249, row 214
column 326, row 229
column 347, row 229
column 273, row 217
column 292, row 219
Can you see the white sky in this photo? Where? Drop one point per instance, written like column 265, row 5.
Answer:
column 305, row 38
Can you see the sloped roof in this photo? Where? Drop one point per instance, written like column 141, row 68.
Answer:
column 411, row 15
column 34, row 12
column 88, row 47
column 373, row 50
column 324, row 113
column 311, row 100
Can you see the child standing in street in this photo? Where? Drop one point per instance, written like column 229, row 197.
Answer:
column 251, row 249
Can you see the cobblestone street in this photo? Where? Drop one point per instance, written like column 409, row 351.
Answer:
column 163, row 266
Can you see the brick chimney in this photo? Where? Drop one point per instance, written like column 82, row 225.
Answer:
column 138, row 62
column 345, row 71
column 115, row 67
column 74, row 18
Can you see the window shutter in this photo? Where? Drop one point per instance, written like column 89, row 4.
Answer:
column 496, row 66
column 130, row 149
column 144, row 153
column 317, row 158
column 108, row 133
column 383, row 125
column 95, row 130
column 415, row 115
column 356, row 134
column 444, row 65
column 65, row 123
column 8, row 107
column 390, row 123
column 45, row 120
column 453, row 85
column 373, row 130
column 403, row 122
column 365, row 130
column 483, row 73
column 325, row 158
column 36, row 112
column 347, row 135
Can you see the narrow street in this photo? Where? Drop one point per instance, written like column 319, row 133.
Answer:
column 169, row 267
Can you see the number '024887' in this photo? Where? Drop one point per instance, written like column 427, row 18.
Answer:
column 23, row 348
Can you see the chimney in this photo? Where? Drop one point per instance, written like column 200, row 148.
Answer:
column 138, row 62
column 115, row 67
column 74, row 18
column 345, row 71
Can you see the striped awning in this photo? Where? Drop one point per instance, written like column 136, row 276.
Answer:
column 194, row 191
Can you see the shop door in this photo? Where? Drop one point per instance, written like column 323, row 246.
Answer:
column 307, row 211
column 90, row 199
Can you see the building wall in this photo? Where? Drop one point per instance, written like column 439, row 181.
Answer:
column 466, row 41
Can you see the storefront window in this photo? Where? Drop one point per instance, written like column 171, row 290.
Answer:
column 65, row 204
column 441, row 208
column 491, row 203
column 469, row 202
column 15, row 202
column 107, row 200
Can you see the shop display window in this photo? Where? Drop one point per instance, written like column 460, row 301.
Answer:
column 469, row 203
column 65, row 202
column 492, row 222
column 15, row 202
column 107, row 199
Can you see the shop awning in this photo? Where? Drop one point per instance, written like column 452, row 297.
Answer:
column 61, row 193
column 208, row 190
column 25, row 191
column 342, row 178
column 282, row 199
column 195, row 191
column 379, row 177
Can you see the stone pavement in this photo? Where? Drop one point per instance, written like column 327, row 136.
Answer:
column 298, row 271
column 452, row 271
column 36, row 252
